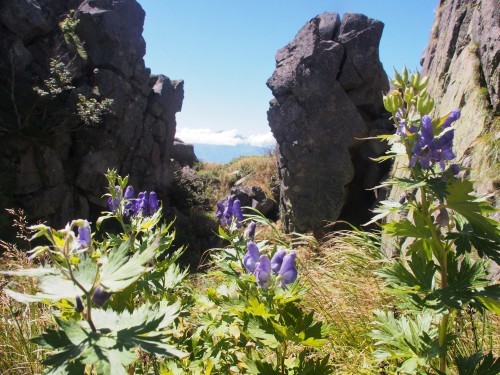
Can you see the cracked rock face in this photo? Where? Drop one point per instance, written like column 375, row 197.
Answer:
column 327, row 86
column 51, row 164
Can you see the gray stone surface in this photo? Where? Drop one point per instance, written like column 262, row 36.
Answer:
column 50, row 162
column 327, row 86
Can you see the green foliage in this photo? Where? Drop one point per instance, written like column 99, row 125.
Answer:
column 91, row 111
column 414, row 341
column 447, row 238
column 85, row 273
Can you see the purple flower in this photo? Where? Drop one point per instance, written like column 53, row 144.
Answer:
column 140, row 204
column 403, row 131
column 262, row 272
column 219, row 214
column 251, row 257
column 227, row 211
column 78, row 304
column 455, row 169
column 428, row 149
column 277, row 260
column 129, row 200
column 84, row 234
column 251, row 230
column 237, row 212
column 100, row 297
column 153, row 203
column 452, row 117
column 288, row 272
column 114, row 203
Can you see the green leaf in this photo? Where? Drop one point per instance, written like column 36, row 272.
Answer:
column 414, row 340
column 119, row 270
column 478, row 364
column 113, row 346
column 460, row 199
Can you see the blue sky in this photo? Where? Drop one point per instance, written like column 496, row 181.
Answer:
column 224, row 51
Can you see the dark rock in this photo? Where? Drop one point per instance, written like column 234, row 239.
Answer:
column 26, row 19
column 327, row 85
column 254, row 196
column 183, row 153
column 57, row 161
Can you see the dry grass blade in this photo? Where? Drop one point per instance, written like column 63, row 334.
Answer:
column 343, row 291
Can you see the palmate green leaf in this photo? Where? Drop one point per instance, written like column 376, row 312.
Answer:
column 467, row 283
column 119, row 270
column 415, row 341
column 112, row 347
column 478, row 364
column 460, row 199
column 263, row 333
column 386, row 207
column 418, row 277
column 55, row 284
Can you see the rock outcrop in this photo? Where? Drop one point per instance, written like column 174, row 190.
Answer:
column 462, row 60
column 327, row 86
column 51, row 162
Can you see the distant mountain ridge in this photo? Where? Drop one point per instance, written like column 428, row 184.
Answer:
column 224, row 154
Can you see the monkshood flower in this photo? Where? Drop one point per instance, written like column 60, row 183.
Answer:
column 251, row 257
column 129, row 199
column 78, row 304
column 452, row 117
column 145, row 204
column 288, row 272
column 429, row 149
column 262, row 272
column 84, row 234
column 114, row 203
column 277, row 260
column 228, row 211
column 250, row 232
column 100, row 297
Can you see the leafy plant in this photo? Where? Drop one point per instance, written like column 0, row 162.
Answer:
column 446, row 232
column 87, row 274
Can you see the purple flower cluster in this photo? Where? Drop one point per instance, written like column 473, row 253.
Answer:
column 145, row 204
column 84, row 237
column 429, row 149
column 281, row 264
column 229, row 210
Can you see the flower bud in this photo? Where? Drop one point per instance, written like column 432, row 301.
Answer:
column 405, row 75
column 78, row 304
column 443, row 219
column 100, row 296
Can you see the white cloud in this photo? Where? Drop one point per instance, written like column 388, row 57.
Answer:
column 223, row 137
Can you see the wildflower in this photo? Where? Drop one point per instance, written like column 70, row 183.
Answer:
column 153, row 203
column 455, row 169
column 288, row 273
column 251, row 230
column 129, row 200
column 78, row 304
column 429, row 149
column 277, row 260
column 84, row 234
column 452, row 117
column 262, row 272
column 237, row 212
column 227, row 211
column 251, row 257
column 100, row 297
column 114, row 203
column 145, row 204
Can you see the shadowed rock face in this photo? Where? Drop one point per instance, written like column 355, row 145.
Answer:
column 327, row 86
column 50, row 162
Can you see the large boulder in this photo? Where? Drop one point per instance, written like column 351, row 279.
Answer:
column 327, row 86
column 52, row 163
